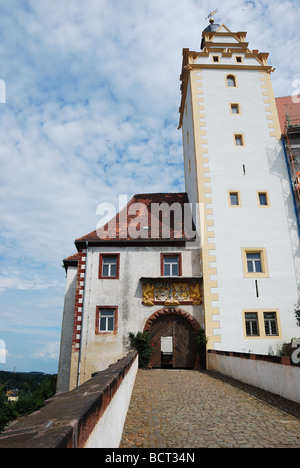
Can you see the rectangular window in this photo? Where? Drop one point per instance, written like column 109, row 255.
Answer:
column 216, row 58
column 239, row 59
column 234, row 199
column 109, row 266
column 239, row 140
column 270, row 320
column 251, row 324
column 171, row 264
column 235, row 108
column 255, row 263
column 263, row 199
column 106, row 320
column 261, row 323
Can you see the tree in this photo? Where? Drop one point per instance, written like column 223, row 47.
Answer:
column 7, row 411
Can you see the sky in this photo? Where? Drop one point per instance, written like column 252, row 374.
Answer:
column 91, row 113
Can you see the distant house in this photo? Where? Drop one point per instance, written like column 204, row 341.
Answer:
column 13, row 394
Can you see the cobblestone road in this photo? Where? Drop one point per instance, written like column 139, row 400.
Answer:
column 190, row 409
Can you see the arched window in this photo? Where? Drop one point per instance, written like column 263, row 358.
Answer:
column 231, row 81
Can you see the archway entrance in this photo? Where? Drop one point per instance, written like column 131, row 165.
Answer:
column 172, row 333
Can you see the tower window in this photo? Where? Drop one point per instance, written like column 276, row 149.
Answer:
column 255, row 263
column 263, row 199
column 239, row 140
column 231, row 81
column 235, row 108
column 216, row 58
column 270, row 320
column 234, row 199
column 239, row 59
column 251, row 323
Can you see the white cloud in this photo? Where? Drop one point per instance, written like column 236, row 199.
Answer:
column 50, row 351
column 92, row 112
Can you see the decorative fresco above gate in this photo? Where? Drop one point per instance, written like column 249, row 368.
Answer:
column 168, row 293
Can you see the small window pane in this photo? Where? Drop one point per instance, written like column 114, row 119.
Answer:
column 235, row 109
column 239, row 140
column 270, row 324
column 109, row 265
column 103, row 324
column 231, row 81
column 251, row 324
column 234, row 199
column 107, row 313
column 110, row 326
column 254, row 264
column 263, row 199
column 106, row 320
column 171, row 265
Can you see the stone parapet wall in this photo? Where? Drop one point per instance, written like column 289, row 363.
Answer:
column 68, row 420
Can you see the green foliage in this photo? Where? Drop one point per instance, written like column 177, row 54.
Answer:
column 34, row 389
column 7, row 411
column 201, row 342
column 142, row 343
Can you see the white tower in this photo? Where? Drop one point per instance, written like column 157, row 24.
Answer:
column 235, row 169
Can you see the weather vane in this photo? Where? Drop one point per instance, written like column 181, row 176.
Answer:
column 212, row 14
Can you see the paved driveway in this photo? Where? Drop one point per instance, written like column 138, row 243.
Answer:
column 190, row 409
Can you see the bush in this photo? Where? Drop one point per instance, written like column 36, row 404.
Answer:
column 201, row 342
column 142, row 343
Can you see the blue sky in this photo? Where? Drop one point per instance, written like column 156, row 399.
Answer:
column 91, row 112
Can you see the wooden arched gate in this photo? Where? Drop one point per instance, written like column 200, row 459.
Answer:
column 172, row 334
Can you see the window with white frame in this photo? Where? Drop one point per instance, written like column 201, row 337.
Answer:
column 106, row 320
column 109, row 266
column 171, row 265
column 270, row 320
column 254, row 263
column 251, row 323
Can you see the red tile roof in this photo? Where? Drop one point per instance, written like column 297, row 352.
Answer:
column 285, row 105
column 140, row 220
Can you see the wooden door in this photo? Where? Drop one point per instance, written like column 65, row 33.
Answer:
column 184, row 351
column 161, row 327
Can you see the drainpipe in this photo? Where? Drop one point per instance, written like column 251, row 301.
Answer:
column 81, row 331
column 291, row 183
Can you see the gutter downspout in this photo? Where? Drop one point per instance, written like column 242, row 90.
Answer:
column 82, row 314
column 291, row 182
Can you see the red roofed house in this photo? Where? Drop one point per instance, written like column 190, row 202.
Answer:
column 140, row 271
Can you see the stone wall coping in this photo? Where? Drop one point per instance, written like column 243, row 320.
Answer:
column 283, row 360
column 67, row 419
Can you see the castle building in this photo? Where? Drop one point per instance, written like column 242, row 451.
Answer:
column 237, row 274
